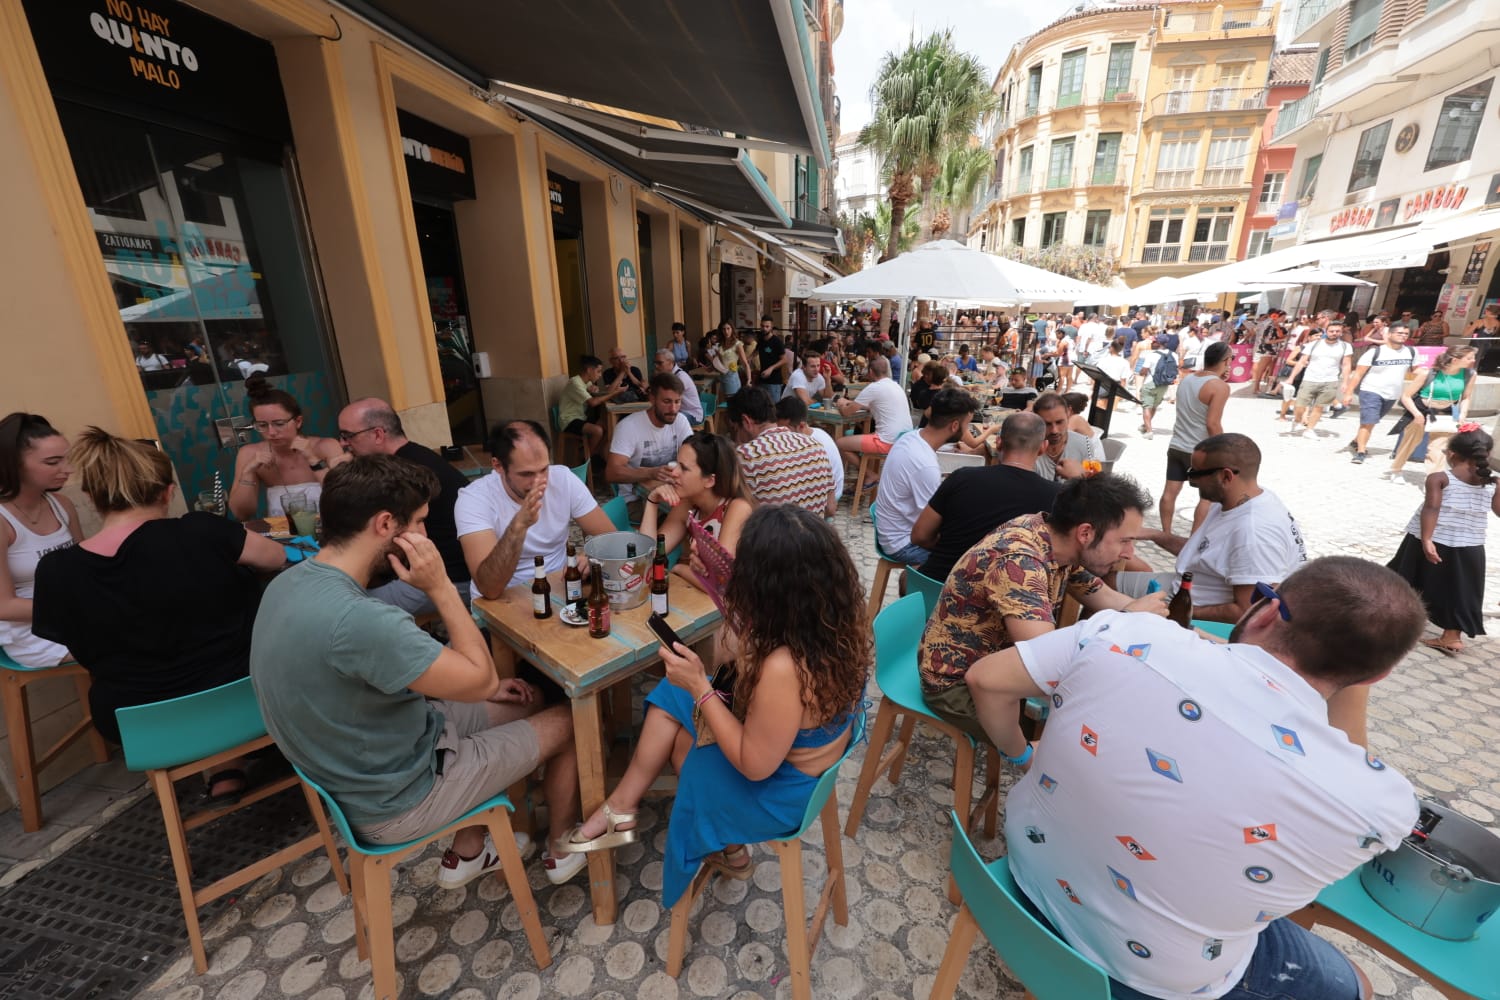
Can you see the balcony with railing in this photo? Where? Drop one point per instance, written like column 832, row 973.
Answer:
column 1172, row 180
column 1310, row 12
column 1294, row 114
column 1200, row 25
column 1200, row 253
column 1161, row 254
column 1024, row 183
column 1214, row 100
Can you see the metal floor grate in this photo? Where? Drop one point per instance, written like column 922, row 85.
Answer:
column 103, row 920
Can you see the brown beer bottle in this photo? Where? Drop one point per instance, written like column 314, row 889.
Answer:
column 573, row 579
column 1180, row 610
column 541, row 592
column 659, row 577
column 598, row 603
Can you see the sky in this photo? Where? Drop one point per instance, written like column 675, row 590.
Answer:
column 985, row 28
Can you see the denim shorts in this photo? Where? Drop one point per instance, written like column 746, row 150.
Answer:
column 1373, row 406
column 1289, row 963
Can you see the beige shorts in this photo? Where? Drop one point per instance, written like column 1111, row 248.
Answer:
column 956, row 705
column 1318, row 394
column 478, row 762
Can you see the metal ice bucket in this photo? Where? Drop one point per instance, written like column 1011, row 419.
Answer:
column 624, row 578
column 1446, row 886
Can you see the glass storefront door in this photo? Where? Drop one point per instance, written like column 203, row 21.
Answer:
column 205, row 250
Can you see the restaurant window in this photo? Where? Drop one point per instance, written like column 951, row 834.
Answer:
column 1176, row 160
column 1260, row 243
column 1271, row 190
column 1364, row 18
column 1033, row 89
column 1096, row 228
column 1458, row 125
column 1054, row 224
column 1060, row 164
column 1164, row 236
column 1309, row 176
column 1228, row 152
column 1117, row 76
column 1106, row 157
column 1070, row 79
column 1367, row 158
column 1024, row 165
column 1211, row 234
column 1018, row 232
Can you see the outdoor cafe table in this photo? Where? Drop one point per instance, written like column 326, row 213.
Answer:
column 837, row 423
column 585, row 668
column 614, row 411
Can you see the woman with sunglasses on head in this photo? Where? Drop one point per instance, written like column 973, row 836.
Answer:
column 708, row 490
column 34, row 519
column 283, row 459
column 1442, row 552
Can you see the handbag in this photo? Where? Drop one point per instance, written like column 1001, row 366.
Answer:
column 1442, row 423
column 723, row 682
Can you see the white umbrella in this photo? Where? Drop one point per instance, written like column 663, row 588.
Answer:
column 948, row 270
column 1155, row 292
column 867, row 304
column 1305, row 276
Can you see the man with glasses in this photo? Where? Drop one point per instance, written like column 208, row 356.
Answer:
column 1247, row 535
column 692, row 406
column 1186, row 797
column 624, row 376
column 1379, row 377
column 371, row 427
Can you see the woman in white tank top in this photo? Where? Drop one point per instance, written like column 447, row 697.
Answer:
column 34, row 520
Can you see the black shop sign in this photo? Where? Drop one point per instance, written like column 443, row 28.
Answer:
column 145, row 56
column 438, row 163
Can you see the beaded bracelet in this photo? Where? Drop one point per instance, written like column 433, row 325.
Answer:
column 707, row 695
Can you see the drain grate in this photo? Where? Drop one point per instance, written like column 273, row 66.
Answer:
column 101, row 921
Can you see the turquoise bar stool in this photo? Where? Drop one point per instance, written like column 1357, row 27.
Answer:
column 173, row 739
column 801, row 940
column 1041, row 961
column 918, row 583
column 25, row 764
column 371, row 865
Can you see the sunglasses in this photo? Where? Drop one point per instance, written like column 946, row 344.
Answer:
column 1200, row 473
column 1266, row 592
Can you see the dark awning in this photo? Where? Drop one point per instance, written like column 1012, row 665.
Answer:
column 826, row 239
column 741, row 66
column 704, row 170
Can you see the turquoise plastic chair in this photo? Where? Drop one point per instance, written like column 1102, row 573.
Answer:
column 371, row 866
column 1219, row 630
column 582, row 472
column 180, row 737
column 918, row 583
column 25, row 764
column 1472, row 966
column 618, row 513
column 898, row 631
column 801, row 940
column 710, row 403
column 1041, row 961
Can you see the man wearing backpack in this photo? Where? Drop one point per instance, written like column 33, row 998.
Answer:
column 1160, row 366
column 1328, row 363
column 1379, row 376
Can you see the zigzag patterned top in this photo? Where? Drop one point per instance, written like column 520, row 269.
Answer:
column 782, row 466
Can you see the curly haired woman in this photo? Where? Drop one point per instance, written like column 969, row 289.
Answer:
column 801, row 643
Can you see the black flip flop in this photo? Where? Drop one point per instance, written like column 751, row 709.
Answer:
column 226, row 798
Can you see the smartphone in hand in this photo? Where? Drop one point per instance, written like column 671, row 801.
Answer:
column 664, row 632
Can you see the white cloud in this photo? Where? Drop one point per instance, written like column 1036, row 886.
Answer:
column 985, row 28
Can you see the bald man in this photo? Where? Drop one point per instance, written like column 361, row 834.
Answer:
column 371, row 427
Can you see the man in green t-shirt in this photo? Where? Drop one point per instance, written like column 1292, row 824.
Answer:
column 580, row 400
column 406, row 734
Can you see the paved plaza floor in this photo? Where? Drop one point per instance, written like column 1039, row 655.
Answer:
column 291, row 934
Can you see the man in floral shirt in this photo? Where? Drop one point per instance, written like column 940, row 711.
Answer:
column 1009, row 587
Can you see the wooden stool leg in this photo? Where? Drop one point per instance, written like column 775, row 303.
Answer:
column 182, row 867
column 833, row 848
column 885, row 720
column 380, row 926
column 991, row 791
column 960, row 943
column 81, row 683
column 903, row 744
column 859, row 483
column 22, row 751
column 325, row 834
column 520, row 890
column 677, row 943
column 963, row 778
column 877, row 587
column 798, row 954
column 359, row 893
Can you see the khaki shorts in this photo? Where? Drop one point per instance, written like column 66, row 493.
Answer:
column 956, row 705
column 1318, row 394
column 478, row 762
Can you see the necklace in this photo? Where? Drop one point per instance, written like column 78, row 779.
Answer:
column 31, row 519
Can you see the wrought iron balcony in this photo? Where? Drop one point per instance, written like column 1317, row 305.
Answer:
column 1213, row 99
column 1294, row 114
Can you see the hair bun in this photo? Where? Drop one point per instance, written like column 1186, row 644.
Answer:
column 257, row 387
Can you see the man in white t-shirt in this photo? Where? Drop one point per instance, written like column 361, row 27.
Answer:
column 1327, row 363
column 1380, row 375
column 644, row 447
column 912, row 475
column 1187, row 796
column 1091, row 338
column 886, row 402
column 692, row 406
column 807, row 382
column 791, row 413
column 521, row 510
column 1247, row 537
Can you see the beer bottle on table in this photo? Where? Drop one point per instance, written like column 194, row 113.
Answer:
column 1180, row 610
column 572, row 578
column 598, row 603
column 541, row 592
column 659, row 577
column 629, row 550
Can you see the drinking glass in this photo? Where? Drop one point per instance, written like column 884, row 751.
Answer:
column 210, row 502
column 301, row 512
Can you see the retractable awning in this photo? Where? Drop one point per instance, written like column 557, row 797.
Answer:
column 812, row 235
column 741, row 66
column 1412, row 247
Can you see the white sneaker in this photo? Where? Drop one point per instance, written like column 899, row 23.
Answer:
column 456, row 872
column 561, row 868
column 1297, row 429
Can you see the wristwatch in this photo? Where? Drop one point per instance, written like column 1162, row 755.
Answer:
column 319, row 465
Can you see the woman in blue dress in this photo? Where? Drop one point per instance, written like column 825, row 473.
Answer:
column 747, row 763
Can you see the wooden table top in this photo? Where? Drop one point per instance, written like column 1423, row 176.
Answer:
column 579, row 663
column 624, row 408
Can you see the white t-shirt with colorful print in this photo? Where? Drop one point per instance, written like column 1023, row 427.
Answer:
column 1184, row 794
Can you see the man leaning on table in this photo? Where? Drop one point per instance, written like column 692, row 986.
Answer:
column 405, row 733
column 1186, row 797
column 521, row 510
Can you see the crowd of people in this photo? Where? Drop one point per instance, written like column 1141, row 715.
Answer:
column 407, row 732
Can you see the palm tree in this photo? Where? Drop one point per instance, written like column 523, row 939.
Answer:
column 927, row 99
column 965, row 171
column 886, row 234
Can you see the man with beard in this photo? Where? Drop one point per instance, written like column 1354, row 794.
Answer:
column 406, row 734
column 522, row 510
column 643, row 450
column 912, row 475
column 1010, row 586
column 1065, row 450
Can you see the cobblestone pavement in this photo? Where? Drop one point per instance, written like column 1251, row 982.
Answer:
column 291, row 934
